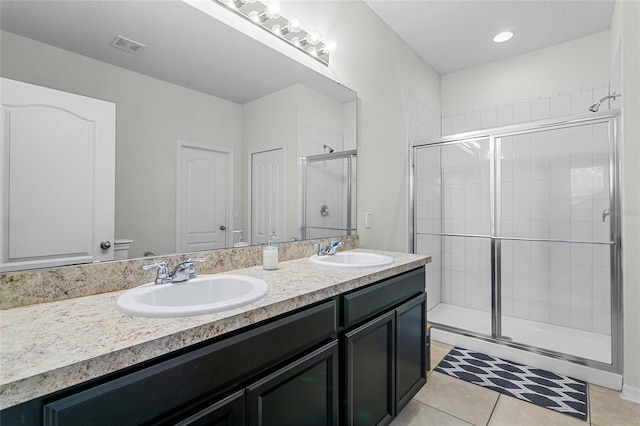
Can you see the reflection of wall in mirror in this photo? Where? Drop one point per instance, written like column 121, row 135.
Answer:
column 302, row 120
column 151, row 115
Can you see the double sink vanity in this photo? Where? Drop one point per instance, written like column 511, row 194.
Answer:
column 339, row 340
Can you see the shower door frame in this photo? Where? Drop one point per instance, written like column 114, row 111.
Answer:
column 351, row 155
column 612, row 118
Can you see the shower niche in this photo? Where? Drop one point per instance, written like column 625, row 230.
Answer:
column 525, row 242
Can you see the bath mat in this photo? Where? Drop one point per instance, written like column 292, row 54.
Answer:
column 540, row 387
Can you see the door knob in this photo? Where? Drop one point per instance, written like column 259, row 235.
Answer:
column 223, row 228
column 105, row 245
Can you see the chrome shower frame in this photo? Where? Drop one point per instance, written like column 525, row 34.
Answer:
column 615, row 238
column 351, row 155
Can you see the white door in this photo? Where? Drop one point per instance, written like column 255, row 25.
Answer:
column 267, row 196
column 203, row 197
column 57, row 178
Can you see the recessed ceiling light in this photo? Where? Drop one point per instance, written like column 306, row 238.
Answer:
column 503, row 36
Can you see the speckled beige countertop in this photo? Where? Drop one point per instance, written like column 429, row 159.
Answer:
column 51, row 346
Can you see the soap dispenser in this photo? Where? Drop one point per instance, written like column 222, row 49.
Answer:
column 270, row 255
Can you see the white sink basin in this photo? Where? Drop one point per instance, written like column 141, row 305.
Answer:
column 202, row 295
column 352, row 259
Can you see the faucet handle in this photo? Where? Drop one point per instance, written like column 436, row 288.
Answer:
column 189, row 263
column 321, row 248
column 333, row 246
column 162, row 276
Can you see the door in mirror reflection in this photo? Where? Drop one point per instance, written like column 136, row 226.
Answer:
column 203, row 197
column 57, row 174
column 267, row 196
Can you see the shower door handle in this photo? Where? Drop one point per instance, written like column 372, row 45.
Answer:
column 605, row 213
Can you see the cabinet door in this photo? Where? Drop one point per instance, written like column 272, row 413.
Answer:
column 411, row 321
column 370, row 372
column 302, row 393
column 227, row 412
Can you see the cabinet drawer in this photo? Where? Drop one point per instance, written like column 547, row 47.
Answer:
column 362, row 304
column 172, row 385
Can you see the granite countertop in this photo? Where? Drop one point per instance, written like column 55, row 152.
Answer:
column 51, row 346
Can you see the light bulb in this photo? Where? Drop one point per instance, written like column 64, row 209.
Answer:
column 329, row 46
column 312, row 51
column 273, row 9
column 278, row 30
column 254, row 16
column 294, row 24
column 314, row 36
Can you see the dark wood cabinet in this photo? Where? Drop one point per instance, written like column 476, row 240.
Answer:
column 411, row 373
column 370, row 372
column 356, row 359
column 229, row 411
column 384, row 361
column 302, row 393
column 168, row 388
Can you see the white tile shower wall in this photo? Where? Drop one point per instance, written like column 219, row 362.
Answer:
column 424, row 123
column 549, row 105
column 325, row 180
column 554, row 185
column 325, row 188
column 311, row 140
column 429, row 218
column 466, row 210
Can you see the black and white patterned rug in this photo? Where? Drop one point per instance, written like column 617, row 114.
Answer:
column 540, row 387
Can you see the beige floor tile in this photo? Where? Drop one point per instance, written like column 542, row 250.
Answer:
column 511, row 411
column 461, row 399
column 438, row 351
column 418, row 414
column 607, row 408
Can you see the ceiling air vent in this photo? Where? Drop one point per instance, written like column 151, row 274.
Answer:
column 127, row 45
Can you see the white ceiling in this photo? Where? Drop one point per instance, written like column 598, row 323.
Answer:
column 452, row 35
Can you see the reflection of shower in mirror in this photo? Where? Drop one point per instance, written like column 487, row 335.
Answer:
column 325, row 146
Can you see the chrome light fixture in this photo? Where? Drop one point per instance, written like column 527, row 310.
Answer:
column 267, row 15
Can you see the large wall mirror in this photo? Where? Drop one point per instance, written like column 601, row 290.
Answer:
column 196, row 85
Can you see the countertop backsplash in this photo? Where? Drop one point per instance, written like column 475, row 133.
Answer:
column 48, row 285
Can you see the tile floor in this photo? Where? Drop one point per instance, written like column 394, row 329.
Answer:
column 448, row 401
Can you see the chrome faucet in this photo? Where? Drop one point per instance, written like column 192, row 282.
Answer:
column 329, row 250
column 183, row 272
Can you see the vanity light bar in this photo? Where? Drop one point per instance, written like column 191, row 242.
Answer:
column 268, row 17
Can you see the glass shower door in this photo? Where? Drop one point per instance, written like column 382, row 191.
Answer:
column 329, row 194
column 453, row 224
column 554, row 239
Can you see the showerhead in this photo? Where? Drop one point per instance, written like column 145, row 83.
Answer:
column 595, row 107
column 328, row 147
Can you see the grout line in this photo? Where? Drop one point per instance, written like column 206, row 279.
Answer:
column 442, row 411
column 493, row 410
column 589, row 403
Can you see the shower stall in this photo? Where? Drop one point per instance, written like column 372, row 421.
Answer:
column 523, row 227
column 328, row 184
